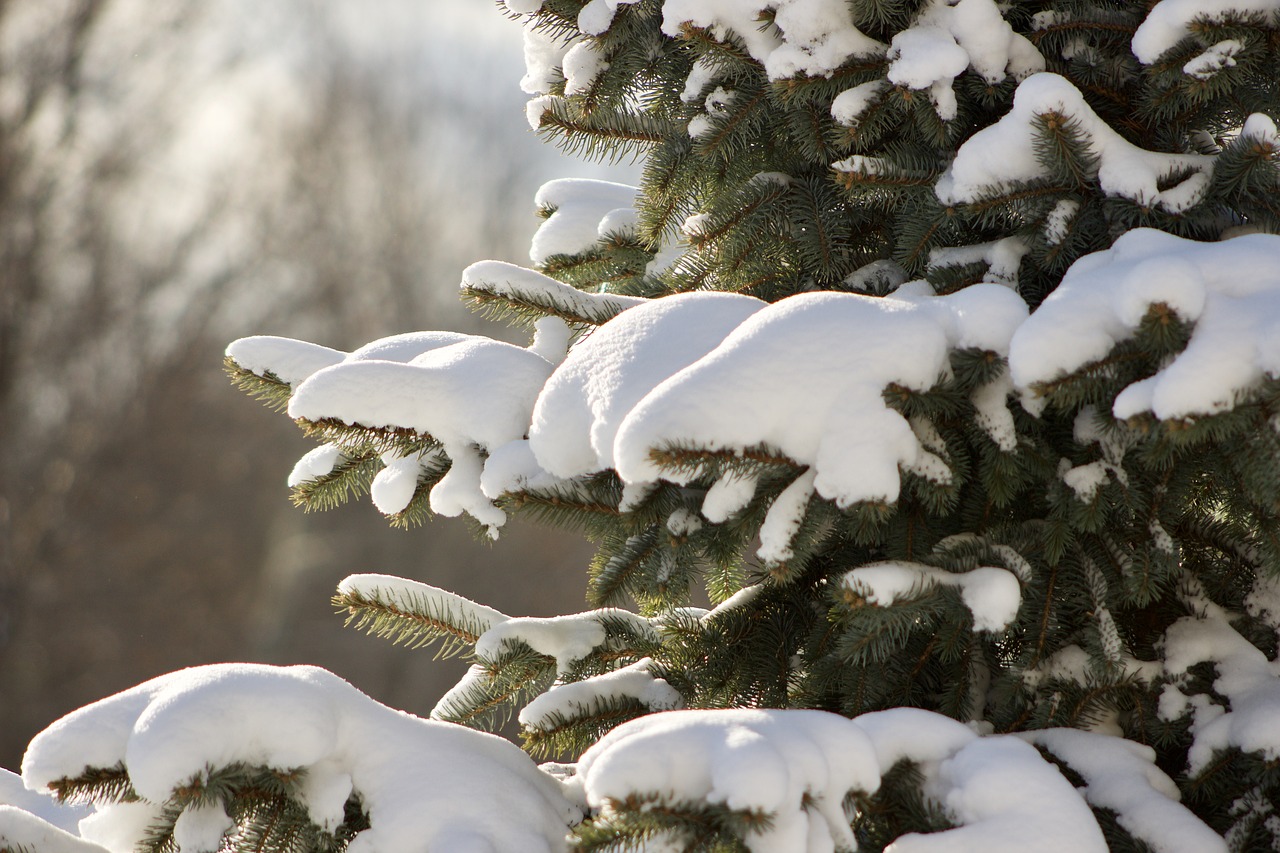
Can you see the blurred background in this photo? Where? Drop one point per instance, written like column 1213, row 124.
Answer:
column 176, row 175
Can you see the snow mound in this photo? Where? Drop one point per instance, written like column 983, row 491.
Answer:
column 469, row 396
column 1005, row 153
column 290, row 360
column 566, row 638
column 21, row 830
column 578, row 207
column 176, row 727
column 796, row 765
column 1122, row 776
column 1229, row 290
column 805, row 376
column 578, row 413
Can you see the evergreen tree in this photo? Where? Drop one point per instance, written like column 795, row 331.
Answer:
column 937, row 348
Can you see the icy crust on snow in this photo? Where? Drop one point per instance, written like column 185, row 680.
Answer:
column 290, row 360
column 1229, row 290
column 174, row 728
column 1122, row 776
column 584, row 697
column 1005, row 153
column 992, row 594
column 828, row 415
column 948, row 38
column 417, row 597
column 809, row 37
column 1170, row 21
column 798, row 766
column 503, row 279
column 579, row 205
column 578, row 413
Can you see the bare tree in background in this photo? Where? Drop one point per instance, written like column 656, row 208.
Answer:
column 173, row 176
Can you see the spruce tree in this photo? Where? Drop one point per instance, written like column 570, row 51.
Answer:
column 936, row 349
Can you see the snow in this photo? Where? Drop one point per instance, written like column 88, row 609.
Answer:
column 174, row 728
column 1121, row 775
column 477, row 392
column 805, row 375
column 583, row 65
column 503, row 279
column 405, row 347
column 796, row 765
column 291, row 361
column 1059, row 220
column 566, row 638
column 543, row 56
column 1005, row 153
column 21, row 830
column 393, row 487
column 1250, row 683
column 578, row 205
column 782, row 521
column 1003, row 793
column 948, row 38
column 199, row 829
column 580, row 698
column 808, row 37
column 579, row 412
column 1230, row 290
column 729, row 496
column 315, row 463
column 416, row 597
column 1215, row 59
column 1170, row 21
column 847, row 107
column 992, row 594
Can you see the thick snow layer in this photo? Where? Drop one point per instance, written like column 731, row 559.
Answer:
column 597, row 16
column 290, row 360
column 992, row 594
column 579, row 204
column 808, row 37
column 503, row 279
column 173, row 728
column 948, row 38
column 42, row 805
column 805, row 375
column 1004, row 793
column 583, row 64
column 566, row 638
column 22, row 830
column 1170, row 22
column 1005, row 153
column 583, row 697
column 1121, row 775
column 1230, row 290
column 476, row 393
column 577, row 416
column 407, row 346
column 416, row 597
column 782, row 521
column 797, row 765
